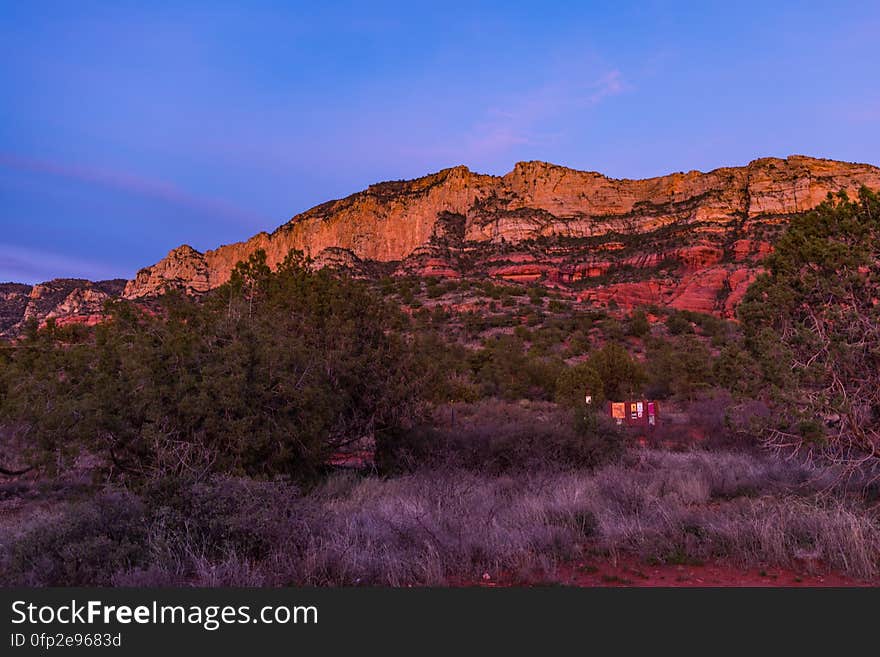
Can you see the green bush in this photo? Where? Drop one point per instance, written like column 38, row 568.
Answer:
column 504, row 369
column 536, row 294
column 812, row 324
column 638, row 324
column 737, row 371
column 575, row 382
column 265, row 377
column 621, row 375
column 678, row 324
column 85, row 547
column 681, row 367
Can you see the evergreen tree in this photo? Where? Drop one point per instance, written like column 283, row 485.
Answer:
column 812, row 323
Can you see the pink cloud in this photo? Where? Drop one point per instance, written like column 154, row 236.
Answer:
column 130, row 183
column 522, row 118
column 869, row 112
column 22, row 264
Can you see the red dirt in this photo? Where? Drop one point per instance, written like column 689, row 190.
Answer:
column 631, row 572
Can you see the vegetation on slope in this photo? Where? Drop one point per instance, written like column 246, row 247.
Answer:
column 813, row 324
column 268, row 376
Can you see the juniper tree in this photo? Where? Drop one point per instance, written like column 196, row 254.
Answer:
column 812, row 322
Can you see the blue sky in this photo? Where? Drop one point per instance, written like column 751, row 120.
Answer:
column 128, row 128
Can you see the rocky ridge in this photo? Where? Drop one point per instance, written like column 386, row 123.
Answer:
column 578, row 230
column 686, row 240
column 66, row 300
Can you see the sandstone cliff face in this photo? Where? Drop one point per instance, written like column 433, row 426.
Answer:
column 13, row 301
column 409, row 222
column 184, row 268
column 69, row 300
column 692, row 240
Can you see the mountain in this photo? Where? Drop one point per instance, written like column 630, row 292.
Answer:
column 63, row 299
column 688, row 240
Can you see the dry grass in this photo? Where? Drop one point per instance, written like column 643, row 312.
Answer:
column 494, row 437
column 433, row 528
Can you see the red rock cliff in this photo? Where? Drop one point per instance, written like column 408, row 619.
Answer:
column 404, row 221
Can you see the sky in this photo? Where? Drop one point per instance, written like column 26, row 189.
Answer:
column 129, row 128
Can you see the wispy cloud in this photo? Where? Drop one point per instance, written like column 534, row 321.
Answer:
column 26, row 265
column 523, row 118
column 521, row 122
column 868, row 112
column 130, row 183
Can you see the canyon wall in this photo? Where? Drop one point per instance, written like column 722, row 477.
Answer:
column 692, row 240
column 395, row 221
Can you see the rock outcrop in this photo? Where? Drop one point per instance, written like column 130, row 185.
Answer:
column 416, row 223
column 13, row 302
column 68, row 300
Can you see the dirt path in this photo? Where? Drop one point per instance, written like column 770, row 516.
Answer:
column 630, row 571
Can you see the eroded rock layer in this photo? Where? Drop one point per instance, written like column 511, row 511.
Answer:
column 425, row 225
column 691, row 240
column 66, row 300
